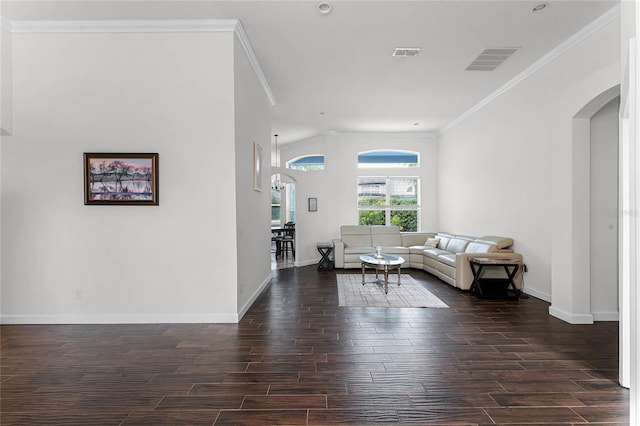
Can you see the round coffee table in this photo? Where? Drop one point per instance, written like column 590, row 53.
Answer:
column 384, row 262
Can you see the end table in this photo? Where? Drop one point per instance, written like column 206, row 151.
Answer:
column 325, row 250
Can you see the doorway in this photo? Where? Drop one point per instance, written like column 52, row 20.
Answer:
column 283, row 211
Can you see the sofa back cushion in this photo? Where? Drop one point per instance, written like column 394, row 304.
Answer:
column 481, row 247
column 457, row 245
column 385, row 235
column 444, row 240
column 356, row 235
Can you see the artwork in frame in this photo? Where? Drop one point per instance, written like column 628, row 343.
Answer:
column 121, row 178
column 257, row 167
column 313, row 204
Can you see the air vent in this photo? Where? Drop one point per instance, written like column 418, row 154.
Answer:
column 406, row 51
column 489, row 59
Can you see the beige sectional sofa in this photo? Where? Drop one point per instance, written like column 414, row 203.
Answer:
column 442, row 254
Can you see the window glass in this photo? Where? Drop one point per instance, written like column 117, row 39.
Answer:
column 382, row 159
column 389, row 201
column 307, row 163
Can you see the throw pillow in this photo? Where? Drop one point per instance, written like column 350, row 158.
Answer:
column 432, row 242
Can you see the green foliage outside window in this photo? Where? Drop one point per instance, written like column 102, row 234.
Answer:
column 371, row 217
column 406, row 220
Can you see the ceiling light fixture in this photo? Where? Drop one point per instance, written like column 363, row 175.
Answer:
column 324, row 8
column 540, row 7
column 276, row 183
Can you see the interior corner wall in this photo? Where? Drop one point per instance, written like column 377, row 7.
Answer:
column 253, row 215
column 499, row 169
column 65, row 262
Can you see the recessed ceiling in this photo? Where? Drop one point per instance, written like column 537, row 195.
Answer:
column 340, row 63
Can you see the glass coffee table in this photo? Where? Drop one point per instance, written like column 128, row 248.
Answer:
column 382, row 262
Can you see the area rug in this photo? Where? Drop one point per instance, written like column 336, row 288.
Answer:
column 409, row 294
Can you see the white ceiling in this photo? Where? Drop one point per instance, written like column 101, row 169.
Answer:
column 335, row 72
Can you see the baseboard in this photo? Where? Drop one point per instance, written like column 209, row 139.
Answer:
column 538, row 294
column 569, row 317
column 245, row 308
column 118, row 319
column 606, row 316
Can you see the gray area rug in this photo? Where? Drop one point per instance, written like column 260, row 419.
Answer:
column 409, row 294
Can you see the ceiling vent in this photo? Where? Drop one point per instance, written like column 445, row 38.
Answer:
column 489, row 59
column 406, row 51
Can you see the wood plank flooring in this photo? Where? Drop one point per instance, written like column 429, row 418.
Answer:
column 297, row 358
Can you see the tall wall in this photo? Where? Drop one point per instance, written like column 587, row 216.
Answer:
column 252, row 223
column 171, row 93
column 507, row 169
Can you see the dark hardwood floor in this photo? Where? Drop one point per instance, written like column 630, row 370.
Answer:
column 296, row 358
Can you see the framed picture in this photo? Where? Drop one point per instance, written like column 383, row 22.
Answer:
column 313, row 204
column 257, row 167
column 121, row 178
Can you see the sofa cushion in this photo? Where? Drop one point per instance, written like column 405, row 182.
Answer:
column 481, row 247
column 358, row 250
column 434, row 252
column 356, row 235
column 444, row 241
column 395, row 250
column 448, row 259
column 457, row 245
column 500, row 242
column 385, row 236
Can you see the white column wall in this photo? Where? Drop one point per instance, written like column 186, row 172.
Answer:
column 253, row 216
column 63, row 261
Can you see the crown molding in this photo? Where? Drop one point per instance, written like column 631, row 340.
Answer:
column 592, row 28
column 241, row 35
column 386, row 135
column 149, row 26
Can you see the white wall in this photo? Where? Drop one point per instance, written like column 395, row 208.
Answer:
column 502, row 167
column 603, row 243
column 253, row 217
column 170, row 93
column 336, row 186
column 6, row 76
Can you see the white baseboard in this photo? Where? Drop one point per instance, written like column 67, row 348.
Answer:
column 119, row 319
column 606, row 316
column 538, row 294
column 254, row 296
column 570, row 317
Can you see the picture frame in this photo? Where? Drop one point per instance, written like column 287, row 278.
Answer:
column 125, row 179
column 257, row 167
column 313, row 204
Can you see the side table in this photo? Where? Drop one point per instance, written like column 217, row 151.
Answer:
column 325, row 250
column 494, row 287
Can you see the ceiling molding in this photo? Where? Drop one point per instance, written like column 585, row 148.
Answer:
column 386, row 135
column 149, row 26
column 595, row 26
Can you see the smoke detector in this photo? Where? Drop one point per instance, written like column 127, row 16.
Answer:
column 324, row 8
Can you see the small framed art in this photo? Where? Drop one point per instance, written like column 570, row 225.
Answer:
column 257, row 167
column 121, row 178
column 313, row 204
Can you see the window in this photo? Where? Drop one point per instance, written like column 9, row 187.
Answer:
column 382, row 159
column 307, row 163
column 389, row 201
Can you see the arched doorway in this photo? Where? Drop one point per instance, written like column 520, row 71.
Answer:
column 283, row 211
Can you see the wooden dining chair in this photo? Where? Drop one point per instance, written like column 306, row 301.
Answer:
column 287, row 239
